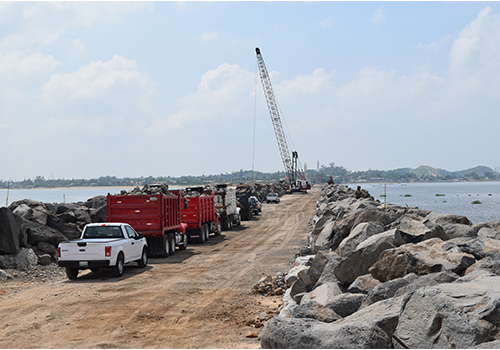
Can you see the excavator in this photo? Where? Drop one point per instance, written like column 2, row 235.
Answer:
column 296, row 177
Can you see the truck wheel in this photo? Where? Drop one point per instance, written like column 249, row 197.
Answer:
column 207, row 232
column 218, row 229
column 143, row 261
column 184, row 243
column 172, row 244
column 202, row 238
column 117, row 270
column 71, row 273
column 166, row 247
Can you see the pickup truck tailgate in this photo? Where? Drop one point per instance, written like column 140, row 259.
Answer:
column 85, row 250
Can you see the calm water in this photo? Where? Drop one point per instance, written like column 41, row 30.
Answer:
column 59, row 195
column 444, row 197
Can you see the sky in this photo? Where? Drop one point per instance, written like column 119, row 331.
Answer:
column 131, row 89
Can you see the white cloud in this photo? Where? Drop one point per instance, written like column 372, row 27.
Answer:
column 223, row 94
column 436, row 45
column 476, row 49
column 379, row 16
column 327, row 22
column 44, row 22
column 17, row 67
column 97, row 80
column 210, row 35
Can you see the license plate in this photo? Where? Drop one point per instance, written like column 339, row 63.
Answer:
column 84, row 263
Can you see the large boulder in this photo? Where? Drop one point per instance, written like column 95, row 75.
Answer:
column 298, row 333
column 23, row 211
column 369, row 328
column 10, row 232
column 37, row 232
column 367, row 253
column 363, row 284
column 388, row 289
column 451, row 315
column 357, row 235
column 323, row 294
column 422, row 258
column 20, row 261
column 459, row 230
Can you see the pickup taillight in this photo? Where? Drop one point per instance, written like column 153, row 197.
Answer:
column 59, row 252
column 107, row 251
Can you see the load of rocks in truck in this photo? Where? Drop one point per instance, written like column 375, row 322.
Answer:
column 261, row 190
column 378, row 275
column 147, row 189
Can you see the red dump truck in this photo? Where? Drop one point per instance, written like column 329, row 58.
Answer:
column 156, row 216
column 199, row 213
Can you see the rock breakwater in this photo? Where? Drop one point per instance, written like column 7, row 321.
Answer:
column 378, row 275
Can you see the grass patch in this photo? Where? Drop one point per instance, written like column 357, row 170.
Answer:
column 440, row 195
column 476, row 202
column 408, row 195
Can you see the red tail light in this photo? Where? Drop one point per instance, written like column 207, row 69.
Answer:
column 59, row 252
column 107, row 251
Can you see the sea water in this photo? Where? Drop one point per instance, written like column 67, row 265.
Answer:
column 57, row 195
column 478, row 201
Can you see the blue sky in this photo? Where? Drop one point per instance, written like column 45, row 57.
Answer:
column 131, row 89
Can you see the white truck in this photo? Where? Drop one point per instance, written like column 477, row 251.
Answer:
column 226, row 206
column 103, row 245
column 272, row 198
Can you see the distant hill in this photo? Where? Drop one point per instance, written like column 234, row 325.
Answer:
column 479, row 170
column 427, row 171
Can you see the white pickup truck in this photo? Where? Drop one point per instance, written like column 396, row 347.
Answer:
column 272, row 197
column 103, row 245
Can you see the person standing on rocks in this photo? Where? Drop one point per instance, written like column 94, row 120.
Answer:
column 330, row 181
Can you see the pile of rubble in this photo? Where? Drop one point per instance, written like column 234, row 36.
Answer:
column 147, row 189
column 378, row 275
column 269, row 285
column 261, row 190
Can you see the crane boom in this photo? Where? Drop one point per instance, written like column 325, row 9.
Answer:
column 275, row 116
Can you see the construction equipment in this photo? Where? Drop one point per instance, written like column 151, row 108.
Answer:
column 296, row 176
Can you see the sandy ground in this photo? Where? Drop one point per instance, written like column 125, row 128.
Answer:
column 199, row 298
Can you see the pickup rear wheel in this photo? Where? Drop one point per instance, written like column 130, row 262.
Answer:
column 118, row 268
column 143, row 261
column 71, row 273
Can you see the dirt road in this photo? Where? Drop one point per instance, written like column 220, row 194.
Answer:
column 199, row 298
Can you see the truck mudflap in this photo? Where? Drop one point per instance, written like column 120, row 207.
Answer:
column 156, row 245
column 84, row 264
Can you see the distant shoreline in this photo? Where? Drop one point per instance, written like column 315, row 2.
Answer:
column 68, row 188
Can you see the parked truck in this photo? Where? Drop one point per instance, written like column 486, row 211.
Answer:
column 199, row 213
column 243, row 196
column 156, row 216
column 103, row 245
column 226, row 207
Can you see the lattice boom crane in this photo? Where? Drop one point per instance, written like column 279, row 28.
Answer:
column 290, row 165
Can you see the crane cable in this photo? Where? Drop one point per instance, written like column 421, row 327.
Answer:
column 254, row 119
